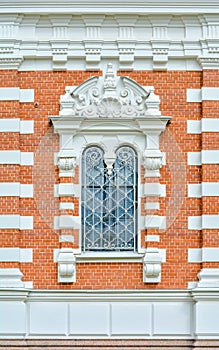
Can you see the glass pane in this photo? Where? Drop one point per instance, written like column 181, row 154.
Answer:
column 109, row 202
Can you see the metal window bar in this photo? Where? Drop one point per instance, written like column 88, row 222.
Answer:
column 109, row 202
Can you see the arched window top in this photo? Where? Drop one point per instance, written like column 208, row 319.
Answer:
column 109, row 200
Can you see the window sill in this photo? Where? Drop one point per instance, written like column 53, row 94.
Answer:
column 111, row 257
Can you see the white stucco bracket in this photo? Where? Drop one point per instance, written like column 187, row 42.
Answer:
column 66, row 266
column 152, row 266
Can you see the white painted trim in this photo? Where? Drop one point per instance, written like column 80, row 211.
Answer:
column 210, row 157
column 203, row 94
column 154, row 189
column 210, row 94
column 16, row 255
column 199, row 255
column 66, row 206
column 17, row 125
column 16, row 157
column 203, row 125
column 16, row 94
column 210, row 124
column 16, row 222
column 152, row 238
column 205, row 189
column 194, row 222
column 203, row 157
column 152, row 206
column 194, row 158
column 155, row 221
column 12, row 189
column 11, row 278
column 63, row 190
column 66, row 238
column 193, row 95
column 194, row 127
column 203, row 222
column 67, row 221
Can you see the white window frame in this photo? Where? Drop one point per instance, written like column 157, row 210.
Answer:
column 107, row 111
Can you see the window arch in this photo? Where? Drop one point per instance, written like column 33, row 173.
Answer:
column 109, row 200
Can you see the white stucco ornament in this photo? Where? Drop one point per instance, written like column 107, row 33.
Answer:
column 110, row 96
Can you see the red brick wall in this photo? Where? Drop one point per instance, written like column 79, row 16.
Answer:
column 48, row 86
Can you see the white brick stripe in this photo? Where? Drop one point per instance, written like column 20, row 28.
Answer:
column 16, row 255
column 203, row 125
column 154, row 190
column 198, row 255
column 66, row 206
column 152, row 206
column 203, row 94
column 205, row 189
column 17, row 125
column 16, row 94
column 16, row 157
column 203, row 157
column 16, row 222
column 63, row 190
column 155, row 221
column 12, row 189
column 67, row 222
column 203, row 222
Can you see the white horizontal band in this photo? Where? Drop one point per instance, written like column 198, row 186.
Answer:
column 203, row 157
column 67, row 222
column 16, row 94
column 16, row 222
column 16, row 157
column 154, row 190
column 8, row 189
column 152, row 206
column 17, row 125
column 66, row 206
column 203, row 125
column 152, row 238
column 155, row 221
column 203, row 222
column 203, row 94
column 16, row 255
column 205, row 189
column 198, row 255
column 62, row 190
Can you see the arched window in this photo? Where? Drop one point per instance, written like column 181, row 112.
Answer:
column 109, row 201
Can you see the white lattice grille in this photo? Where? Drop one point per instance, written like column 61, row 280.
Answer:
column 109, row 200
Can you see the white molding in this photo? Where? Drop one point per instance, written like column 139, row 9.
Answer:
column 16, row 94
column 16, row 222
column 203, row 222
column 12, row 189
column 194, row 127
column 205, row 189
column 66, row 238
column 68, row 39
column 17, row 125
column 16, row 255
column 11, row 278
column 17, row 157
column 203, row 157
column 199, row 255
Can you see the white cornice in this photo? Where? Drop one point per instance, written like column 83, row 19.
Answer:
column 100, row 6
